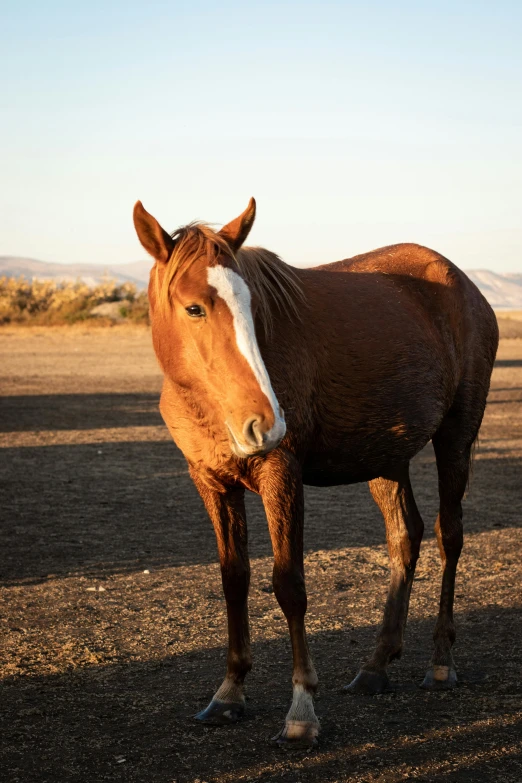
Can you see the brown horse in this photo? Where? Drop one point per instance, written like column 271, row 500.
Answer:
column 277, row 377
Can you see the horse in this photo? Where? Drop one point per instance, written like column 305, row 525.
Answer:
column 276, row 377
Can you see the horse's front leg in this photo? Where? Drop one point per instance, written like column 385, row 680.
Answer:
column 281, row 488
column 226, row 509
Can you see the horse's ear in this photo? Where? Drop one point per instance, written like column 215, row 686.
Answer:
column 154, row 239
column 237, row 230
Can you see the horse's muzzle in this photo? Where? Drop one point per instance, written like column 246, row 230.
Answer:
column 255, row 440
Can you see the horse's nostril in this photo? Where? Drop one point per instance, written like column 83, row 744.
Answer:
column 252, row 431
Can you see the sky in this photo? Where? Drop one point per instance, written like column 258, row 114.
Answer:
column 354, row 125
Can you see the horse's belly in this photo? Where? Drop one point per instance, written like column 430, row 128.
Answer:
column 335, row 475
column 364, row 460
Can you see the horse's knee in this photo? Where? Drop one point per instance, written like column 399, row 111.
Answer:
column 289, row 589
column 236, row 582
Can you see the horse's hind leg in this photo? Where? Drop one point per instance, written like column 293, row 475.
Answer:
column 404, row 529
column 453, row 450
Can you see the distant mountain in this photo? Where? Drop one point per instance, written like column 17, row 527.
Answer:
column 502, row 291
column 92, row 274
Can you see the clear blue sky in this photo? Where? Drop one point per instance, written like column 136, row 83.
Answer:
column 353, row 124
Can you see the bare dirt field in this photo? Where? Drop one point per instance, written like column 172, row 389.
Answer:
column 112, row 627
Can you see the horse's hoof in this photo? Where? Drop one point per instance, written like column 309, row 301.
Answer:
column 297, row 734
column 221, row 713
column 368, row 683
column 440, row 678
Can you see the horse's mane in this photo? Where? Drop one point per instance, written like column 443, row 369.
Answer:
column 271, row 280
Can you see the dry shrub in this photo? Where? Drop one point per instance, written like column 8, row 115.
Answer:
column 51, row 303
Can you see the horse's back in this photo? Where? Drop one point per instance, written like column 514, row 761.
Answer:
column 445, row 295
column 391, row 342
column 406, row 259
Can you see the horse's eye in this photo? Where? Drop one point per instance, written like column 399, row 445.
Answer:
column 195, row 311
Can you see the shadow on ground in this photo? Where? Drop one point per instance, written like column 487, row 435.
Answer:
column 115, row 507
column 508, row 363
column 38, row 413
column 82, row 724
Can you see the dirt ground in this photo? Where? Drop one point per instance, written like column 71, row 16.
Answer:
column 113, row 622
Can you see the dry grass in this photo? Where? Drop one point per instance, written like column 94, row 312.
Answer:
column 50, row 303
column 509, row 323
column 511, row 315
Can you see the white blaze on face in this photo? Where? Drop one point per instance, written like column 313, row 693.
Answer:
column 236, row 294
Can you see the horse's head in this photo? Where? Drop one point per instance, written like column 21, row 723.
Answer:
column 202, row 313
